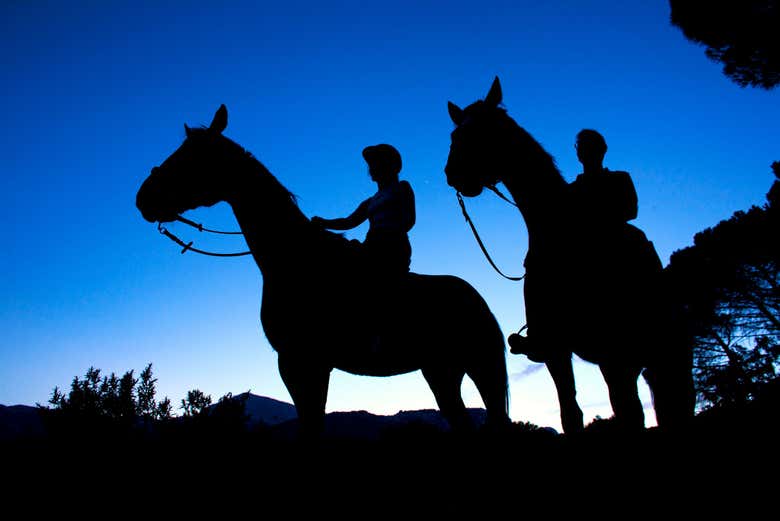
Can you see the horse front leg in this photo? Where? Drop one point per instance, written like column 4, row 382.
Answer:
column 562, row 373
column 307, row 383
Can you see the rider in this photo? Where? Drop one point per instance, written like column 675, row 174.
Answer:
column 601, row 202
column 390, row 213
column 605, row 199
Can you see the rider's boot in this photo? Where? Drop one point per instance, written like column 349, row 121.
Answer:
column 523, row 345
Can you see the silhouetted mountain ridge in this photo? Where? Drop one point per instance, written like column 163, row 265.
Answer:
column 364, row 425
column 22, row 421
column 264, row 410
column 282, row 418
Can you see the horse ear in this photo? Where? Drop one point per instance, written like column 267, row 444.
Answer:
column 219, row 123
column 456, row 113
column 495, row 95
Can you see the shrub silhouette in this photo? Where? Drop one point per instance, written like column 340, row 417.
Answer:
column 106, row 407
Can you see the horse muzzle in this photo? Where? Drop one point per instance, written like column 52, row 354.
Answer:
column 462, row 183
column 148, row 202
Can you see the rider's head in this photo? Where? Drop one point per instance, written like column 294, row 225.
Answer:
column 384, row 162
column 591, row 147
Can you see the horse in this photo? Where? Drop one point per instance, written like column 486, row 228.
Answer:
column 322, row 307
column 566, row 298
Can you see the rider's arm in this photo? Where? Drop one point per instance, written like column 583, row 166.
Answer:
column 353, row 220
column 626, row 204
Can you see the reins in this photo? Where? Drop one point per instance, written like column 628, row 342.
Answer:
column 188, row 246
column 495, row 190
column 200, row 227
column 477, row 237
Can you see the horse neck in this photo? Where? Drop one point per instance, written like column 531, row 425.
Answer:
column 273, row 225
column 538, row 189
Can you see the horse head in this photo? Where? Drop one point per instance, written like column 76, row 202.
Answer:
column 478, row 144
column 191, row 177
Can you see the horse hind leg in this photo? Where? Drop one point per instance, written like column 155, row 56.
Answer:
column 445, row 385
column 490, row 378
column 624, row 396
column 671, row 385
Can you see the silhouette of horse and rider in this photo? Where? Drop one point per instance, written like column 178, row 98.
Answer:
column 313, row 279
column 591, row 286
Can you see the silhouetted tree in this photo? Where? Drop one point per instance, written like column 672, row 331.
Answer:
column 226, row 419
column 99, row 409
column 95, row 402
column 740, row 34
column 108, row 396
column 196, row 403
column 147, row 407
column 229, row 416
column 729, row 284
column 126, row 406
column 164, row 410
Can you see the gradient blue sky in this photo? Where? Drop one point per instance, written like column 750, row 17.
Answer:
column 95, row 93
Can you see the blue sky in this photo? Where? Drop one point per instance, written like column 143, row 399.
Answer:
column 96, row 93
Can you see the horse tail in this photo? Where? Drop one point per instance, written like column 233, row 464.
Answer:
column 488, row 368
column 502, row 369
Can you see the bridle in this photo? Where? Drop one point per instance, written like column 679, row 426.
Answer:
column 188, row 246
column 462, row 203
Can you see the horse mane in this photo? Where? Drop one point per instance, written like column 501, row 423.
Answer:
column 539, row 157
column 269, row 177
column 241, row 152
column 344, row 252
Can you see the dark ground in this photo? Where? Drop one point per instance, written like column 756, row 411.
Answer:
column 727, row 458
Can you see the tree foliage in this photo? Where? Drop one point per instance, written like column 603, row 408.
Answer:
column 111, row 397
column 106, row 406
column 740, row 34
column 147, row 408
column 728, row 282
column 196, row 403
